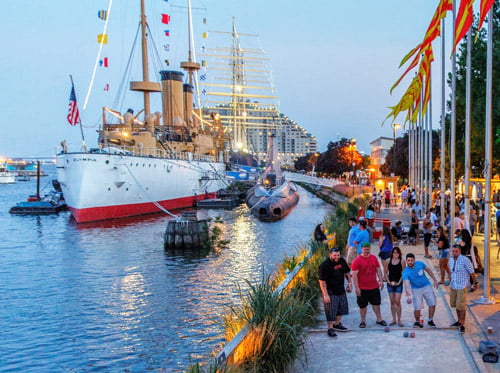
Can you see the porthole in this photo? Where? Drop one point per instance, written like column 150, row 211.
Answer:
column 107, row 161
column 109, row 189
column 126, row 188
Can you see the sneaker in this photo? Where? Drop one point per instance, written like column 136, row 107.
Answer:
column 431, row 324
column 382, row 323
column 416, row 324
column 457, row 324
column 462, row 329
column 331, row 333
column 340, row 328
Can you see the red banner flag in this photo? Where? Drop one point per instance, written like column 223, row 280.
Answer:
column 483, row 11
column 165, row 18
column 463, row 22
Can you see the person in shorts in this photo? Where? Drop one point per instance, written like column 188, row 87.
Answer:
column 332, row 275
column 418, row 285
column 461, row 270
column 368, row 280
column 394, row 275
column 443, row 245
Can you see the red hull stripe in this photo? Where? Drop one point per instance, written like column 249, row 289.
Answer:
column 121, row 211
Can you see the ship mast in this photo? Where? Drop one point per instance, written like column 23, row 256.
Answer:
column 190, row 66
column 145, row 86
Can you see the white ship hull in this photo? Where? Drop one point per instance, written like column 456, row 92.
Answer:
column 100, row 186
column 7, row 178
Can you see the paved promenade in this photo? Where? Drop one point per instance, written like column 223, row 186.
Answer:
column 442, row 349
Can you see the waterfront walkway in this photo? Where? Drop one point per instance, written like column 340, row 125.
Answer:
column 432, row 350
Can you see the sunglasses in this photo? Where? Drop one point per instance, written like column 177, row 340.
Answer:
column 335, row 250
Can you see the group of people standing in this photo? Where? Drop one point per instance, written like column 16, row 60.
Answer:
column 367, row 277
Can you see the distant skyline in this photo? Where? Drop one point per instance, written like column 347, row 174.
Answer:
column 333, row 62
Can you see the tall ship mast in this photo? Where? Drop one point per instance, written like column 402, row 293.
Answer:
column 149, row 161
column 237, row 85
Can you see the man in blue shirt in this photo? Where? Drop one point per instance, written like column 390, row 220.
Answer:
column 362, row 236
column 351, row 246
column 417, row 283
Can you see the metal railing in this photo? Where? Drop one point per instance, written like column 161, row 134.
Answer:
column 226, row 355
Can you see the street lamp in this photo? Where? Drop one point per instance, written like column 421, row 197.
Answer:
column 314, row 162
column 395, row 126
column 352, row 147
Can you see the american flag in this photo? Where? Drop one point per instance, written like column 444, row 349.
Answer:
column 73, row 113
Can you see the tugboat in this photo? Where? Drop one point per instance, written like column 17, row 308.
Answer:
column 273, row 197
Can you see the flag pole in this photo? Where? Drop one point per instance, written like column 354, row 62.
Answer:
column 443, row 129
column 467, row 130
column 84, row 145
column 486, row 299
column 452, row 127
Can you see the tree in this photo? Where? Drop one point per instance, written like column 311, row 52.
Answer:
column 396, row 161
column 478, row 95
column 339, row 157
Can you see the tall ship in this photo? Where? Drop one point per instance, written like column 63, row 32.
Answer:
column 150, row 161
column 236, row 83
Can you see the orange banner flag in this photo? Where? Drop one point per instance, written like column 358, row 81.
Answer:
column 463, row 22
column 483, row 11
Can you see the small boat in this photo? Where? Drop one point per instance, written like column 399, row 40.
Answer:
column 274, row 197
column 23, row 177
column 6, row 176
column 51, row 203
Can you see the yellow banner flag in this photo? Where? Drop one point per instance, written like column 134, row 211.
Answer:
column 102, row 38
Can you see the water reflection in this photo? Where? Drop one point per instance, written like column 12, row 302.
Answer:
column 107, row 296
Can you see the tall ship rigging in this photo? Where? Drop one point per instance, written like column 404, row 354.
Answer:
column 237, row 85
column 150, row 161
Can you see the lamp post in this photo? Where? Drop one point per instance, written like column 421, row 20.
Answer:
column 352, row 147
column 314, row 162
column 395, row 126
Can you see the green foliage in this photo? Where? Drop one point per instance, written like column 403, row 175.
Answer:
column 215, row 232
column 289, row 263
column 396, row 160
column 337, row 159
column 478, row 99
column 275, row 323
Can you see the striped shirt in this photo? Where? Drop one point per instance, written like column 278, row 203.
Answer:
column 461, row 269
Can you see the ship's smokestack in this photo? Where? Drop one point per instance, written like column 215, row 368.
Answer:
column 188, row 105
column 172, row 98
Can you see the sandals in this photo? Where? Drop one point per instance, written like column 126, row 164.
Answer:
column 393, row 323
column 362, row 325
column 381, row 323
column 401, row 324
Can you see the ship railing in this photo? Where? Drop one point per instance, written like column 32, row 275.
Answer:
column 161, row 153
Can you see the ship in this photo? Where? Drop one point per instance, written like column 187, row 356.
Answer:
column 273, row 197
column 150, row 161
column 238, row 88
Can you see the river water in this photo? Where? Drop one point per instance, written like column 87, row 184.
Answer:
column 108, row 297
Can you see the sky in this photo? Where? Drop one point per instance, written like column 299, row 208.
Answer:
column 333, row 62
